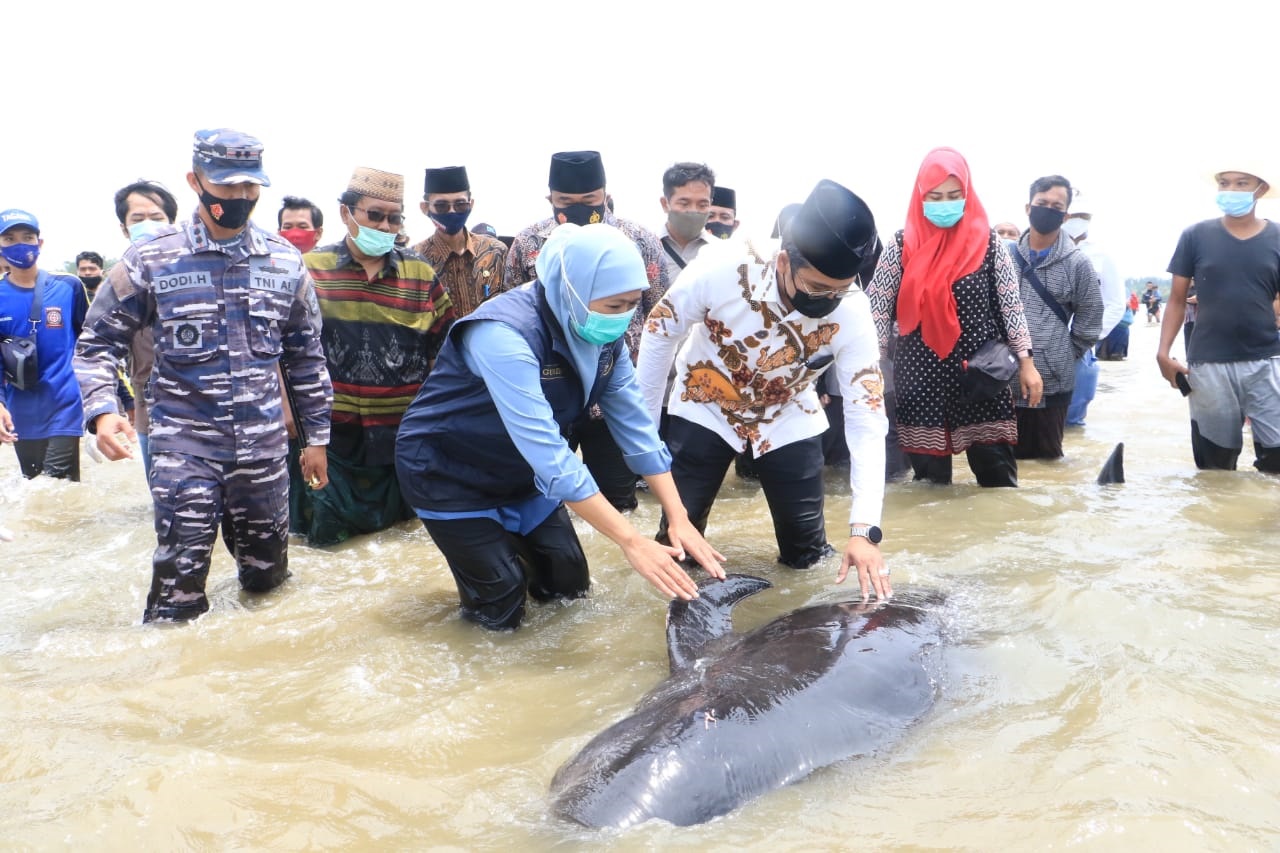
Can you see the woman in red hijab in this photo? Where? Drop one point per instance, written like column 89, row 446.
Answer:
column 949, row 284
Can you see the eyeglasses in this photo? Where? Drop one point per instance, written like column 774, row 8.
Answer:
column 377, row 216
column 824, row 293
column 459, row 206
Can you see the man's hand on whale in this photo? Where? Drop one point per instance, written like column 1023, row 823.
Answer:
column 865, row 555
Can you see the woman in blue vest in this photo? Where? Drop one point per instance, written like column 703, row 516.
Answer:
column 483, row 455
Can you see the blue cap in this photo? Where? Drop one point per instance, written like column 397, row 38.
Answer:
column 13, row 217
column 228, row 156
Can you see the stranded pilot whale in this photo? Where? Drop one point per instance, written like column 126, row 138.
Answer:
column 741, row 715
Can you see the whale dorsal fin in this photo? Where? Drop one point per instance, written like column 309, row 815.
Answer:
column 693, row 624
column 1113, row 469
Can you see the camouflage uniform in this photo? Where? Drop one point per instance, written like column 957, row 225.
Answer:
column 222, row 315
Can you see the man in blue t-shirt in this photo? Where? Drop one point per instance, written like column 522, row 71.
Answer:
column 1233, row 372
column 45, row 422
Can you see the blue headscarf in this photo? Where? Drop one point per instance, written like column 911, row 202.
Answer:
column 593, row 262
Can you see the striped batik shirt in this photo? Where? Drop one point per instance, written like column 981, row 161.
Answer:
column 380, row 337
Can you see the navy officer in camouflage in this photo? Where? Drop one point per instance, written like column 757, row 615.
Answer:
column 227, row 302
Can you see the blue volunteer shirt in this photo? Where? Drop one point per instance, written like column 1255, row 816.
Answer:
column 53, row 407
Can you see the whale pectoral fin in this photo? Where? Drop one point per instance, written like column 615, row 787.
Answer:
column 1113, row 469
column 691, row 625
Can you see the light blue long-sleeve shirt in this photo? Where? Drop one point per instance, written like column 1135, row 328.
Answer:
column 501, row 357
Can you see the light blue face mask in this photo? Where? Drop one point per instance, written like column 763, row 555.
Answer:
column 145, row 228
column 1236, row 202
column 944, row 214
column 599, row 329
column 372, row 242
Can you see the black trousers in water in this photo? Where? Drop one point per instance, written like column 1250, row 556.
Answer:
column 495, row 569
column 57, row 457
column 603, row 458
column 993, row 464
column 790, row 476
column 1040, row 432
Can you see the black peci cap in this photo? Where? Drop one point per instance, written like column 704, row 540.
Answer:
column 724, row 197
column 833, row 230
column 449, row 179
column 576, row 172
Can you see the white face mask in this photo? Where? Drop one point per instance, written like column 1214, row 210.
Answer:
column 1076, row 228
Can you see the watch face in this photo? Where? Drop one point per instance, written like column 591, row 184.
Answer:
column 874, row 534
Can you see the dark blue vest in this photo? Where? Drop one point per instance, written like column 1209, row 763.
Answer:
column 452, row 452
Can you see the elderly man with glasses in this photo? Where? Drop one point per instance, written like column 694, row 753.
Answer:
column 469, row 265
column 385, row 317
column 763, row 333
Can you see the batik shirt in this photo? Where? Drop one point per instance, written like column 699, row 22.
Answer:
column 524, row 255
column 224, row 316
column 470, row 276
column 380, row 338
column 749, row 369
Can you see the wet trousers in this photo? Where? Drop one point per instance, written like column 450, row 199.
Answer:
column 992, row 464
column 1040, row 432
column 790, row 476
column 496, row 569
column 57, row 457
column 193, row 497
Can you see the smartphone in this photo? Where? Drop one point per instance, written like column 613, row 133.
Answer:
column 1183, row 385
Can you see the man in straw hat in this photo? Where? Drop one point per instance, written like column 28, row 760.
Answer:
column 468, row 264
column 762, row 334
column 1231, row 369
column 385, row 317
column 228, row 304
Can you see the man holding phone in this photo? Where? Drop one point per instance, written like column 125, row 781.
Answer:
column 1235, row 262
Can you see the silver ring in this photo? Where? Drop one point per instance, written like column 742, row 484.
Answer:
column 884, row 573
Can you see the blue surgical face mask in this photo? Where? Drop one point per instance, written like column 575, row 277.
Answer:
column 372, row 242
column 145, row 228
column 1236, row 202
column 21, row 255
column 599, row 329
column 944, row 214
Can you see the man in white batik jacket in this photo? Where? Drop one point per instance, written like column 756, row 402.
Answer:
column 763, row 332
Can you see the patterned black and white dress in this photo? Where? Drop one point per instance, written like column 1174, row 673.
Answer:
column 931, row 418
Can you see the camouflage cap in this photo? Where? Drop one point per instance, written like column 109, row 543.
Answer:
column 227, row 156
column 374, row 183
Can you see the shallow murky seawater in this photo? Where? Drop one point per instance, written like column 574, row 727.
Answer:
column 1110, row 682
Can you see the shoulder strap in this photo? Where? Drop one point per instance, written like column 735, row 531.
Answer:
column 1043, row 292
column 37, row 300
column 672, row 253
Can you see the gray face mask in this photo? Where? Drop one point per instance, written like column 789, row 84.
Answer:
column 686, row 224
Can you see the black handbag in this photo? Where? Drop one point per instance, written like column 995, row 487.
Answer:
column 21, row 369
column 987, row 372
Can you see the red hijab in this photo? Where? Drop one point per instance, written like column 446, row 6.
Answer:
column 933, row 257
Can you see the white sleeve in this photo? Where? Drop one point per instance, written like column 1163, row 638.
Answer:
column 857, row 366
column 678, row 311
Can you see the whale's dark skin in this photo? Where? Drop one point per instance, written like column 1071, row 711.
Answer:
column 742, row 715
column 1113, row 469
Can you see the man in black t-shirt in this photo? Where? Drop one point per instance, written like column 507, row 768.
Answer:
column 1233, row 366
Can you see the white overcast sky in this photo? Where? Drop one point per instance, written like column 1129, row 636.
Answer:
column 1137, row 103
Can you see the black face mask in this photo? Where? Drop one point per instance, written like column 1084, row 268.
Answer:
column 1046, row 220
column 91, row 282
column 229, row 213
column 811, row 306
column 580, row 214
column 723, row 230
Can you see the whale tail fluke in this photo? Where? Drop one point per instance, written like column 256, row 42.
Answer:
column 1113, row 469
column 691, row 625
